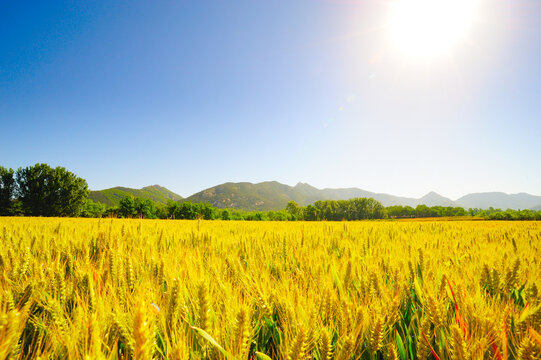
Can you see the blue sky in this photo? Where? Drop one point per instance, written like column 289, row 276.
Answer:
column 190, row 94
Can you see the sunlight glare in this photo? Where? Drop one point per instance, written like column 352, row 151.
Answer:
column 428, row 28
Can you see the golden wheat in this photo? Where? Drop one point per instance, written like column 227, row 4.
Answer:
column 123, row 289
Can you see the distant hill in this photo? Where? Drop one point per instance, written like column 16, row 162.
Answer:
column 434, row 199
column 272, row 195
column 269, row 195
column 500, row 200
column 112, row 196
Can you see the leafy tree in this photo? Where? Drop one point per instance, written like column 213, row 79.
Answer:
column 293, row 208
column 136, row 207
column 172, row 209
column 207, row 211
column 111, row 212
column 145, row 208
column 46, row 191
column 353, row 209
column 423, row 211
column 7, row 191
column 510, row 214
column 226, row 214
column 329, row 209
column 93, row 209
column 375, row 209
column 311, row 213
column 259, row 216
column 187, row 211
column 281, row 215
column 161, row 211
column 126, row 207
column 190, row 211
column 474, row 211
column 237, row 215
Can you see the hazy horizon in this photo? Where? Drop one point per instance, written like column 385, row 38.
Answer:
column 336, row 94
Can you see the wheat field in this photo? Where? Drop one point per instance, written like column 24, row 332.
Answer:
column 143, row 289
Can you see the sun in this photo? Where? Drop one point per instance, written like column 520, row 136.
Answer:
column 428, row 28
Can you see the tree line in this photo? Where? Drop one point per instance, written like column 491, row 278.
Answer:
column 41, row 190
column 324, row 210
column 421, row 211
column 133, row 207
column 337, row 210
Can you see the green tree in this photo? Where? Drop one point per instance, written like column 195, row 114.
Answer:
column 311, row 213
column 172, row 209
column 126, row 207
column 46, row 191
column 293, row 208
column 226, row 214
column 375, row 209
column 422, row 211
column 93, row 209
column 207, row 211
column 162, row 211
column 329, row 209
column 7, row 191
column 145, row 208
column 188, row 211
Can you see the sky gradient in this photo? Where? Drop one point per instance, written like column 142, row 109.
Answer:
column 190, row 94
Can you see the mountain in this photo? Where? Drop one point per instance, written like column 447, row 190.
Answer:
column 268, row 195
column 430, row 199
column 112, row 196
column 499, row 200
column 434, row 199
column 272, row 195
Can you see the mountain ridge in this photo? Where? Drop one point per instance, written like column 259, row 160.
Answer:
column 500, row 200
column 302, row 193
column 273, row 195
column 112, row 196
column 254, row 197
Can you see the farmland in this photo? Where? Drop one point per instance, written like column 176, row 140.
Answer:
column 114, row 288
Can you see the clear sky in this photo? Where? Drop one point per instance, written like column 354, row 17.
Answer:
column 190, row 94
